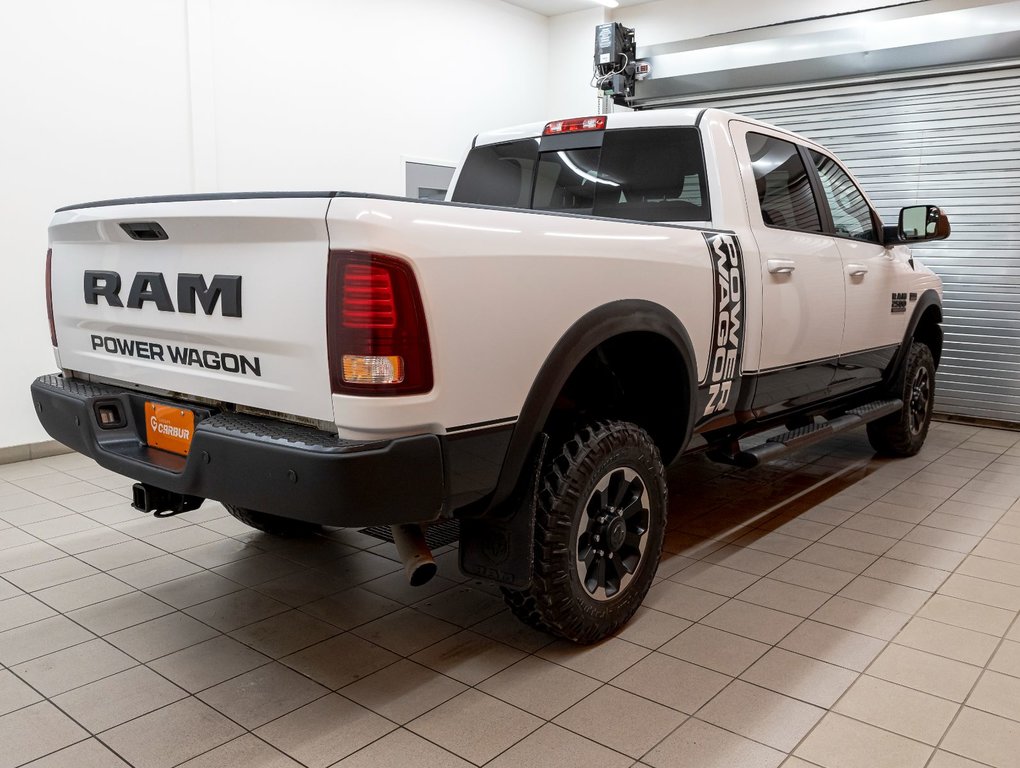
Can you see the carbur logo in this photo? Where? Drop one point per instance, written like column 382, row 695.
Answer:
column 168, row 430
column 728, row 339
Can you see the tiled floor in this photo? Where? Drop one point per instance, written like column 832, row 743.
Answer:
column 831, row 610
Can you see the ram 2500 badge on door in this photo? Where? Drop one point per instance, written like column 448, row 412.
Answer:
column 597, row 296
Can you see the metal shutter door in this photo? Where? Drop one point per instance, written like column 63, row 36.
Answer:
column 952, row 140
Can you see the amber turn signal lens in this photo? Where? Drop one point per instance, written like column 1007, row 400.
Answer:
column 369, row 369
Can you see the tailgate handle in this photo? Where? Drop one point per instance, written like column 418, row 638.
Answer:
column 144, row 230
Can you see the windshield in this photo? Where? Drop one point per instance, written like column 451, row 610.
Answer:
column 647, row 174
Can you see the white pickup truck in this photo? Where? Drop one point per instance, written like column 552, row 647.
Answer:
column 596, row 297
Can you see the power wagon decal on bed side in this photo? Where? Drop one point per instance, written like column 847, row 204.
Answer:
column 717, row 393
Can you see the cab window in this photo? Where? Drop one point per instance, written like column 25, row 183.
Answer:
column 644, row 174
column 653, row 174
column 499, row 174
column 567, row 181
column 783, row 185
column 851, row 214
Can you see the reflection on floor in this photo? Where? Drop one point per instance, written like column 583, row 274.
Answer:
column 844, row 609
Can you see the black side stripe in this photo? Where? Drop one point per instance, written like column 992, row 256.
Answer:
column 479, row 424
column 826, row 359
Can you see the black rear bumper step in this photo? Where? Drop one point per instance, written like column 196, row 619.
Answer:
column 802, row 437
column 262, row 464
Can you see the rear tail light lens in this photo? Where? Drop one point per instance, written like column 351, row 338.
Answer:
column 373, row 369
column 377, row 336
column 49, row 295
column 368, row 298
column 596, row 123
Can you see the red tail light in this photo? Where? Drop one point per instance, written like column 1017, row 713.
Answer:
column 49, row 295
column 368, row 300
column 377, row 337
column 574, row 125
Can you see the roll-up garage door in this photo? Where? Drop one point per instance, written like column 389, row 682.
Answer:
column 952, row 140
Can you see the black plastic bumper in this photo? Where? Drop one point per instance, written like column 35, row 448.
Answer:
column 263, row 464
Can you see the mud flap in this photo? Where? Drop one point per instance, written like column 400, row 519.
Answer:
column 500, row 547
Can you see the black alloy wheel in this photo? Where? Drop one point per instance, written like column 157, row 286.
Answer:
column 613, row 534
column 920, row 400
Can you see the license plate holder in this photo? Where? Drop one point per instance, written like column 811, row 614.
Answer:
column 169, row 427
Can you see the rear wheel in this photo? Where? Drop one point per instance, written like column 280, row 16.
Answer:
column 903, row 433
column 600, row 523
column 275, row 525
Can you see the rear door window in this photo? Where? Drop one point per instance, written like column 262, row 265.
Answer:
column 784, row 188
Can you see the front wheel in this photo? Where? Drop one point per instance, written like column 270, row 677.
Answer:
column 600, row 523
column 903, row 433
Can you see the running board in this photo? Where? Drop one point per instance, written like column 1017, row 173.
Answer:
column 795, row 439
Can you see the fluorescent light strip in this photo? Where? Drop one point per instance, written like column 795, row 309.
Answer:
column 584, row 174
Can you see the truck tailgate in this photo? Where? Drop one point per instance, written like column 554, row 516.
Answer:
column 211, row 298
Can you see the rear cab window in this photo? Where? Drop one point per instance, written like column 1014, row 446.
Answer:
column 643, row 174
column 498, row 174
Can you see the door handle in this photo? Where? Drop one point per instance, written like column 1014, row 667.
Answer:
column 781, row 266
column 857, row 270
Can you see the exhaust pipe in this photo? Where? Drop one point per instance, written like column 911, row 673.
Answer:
column 414, row 552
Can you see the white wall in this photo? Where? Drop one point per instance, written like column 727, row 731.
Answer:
column 94, row 104
column 328, row 94
column 571, row 51
column 113, row 98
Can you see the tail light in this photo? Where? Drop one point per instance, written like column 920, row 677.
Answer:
column 49, row 295
column 377, row 337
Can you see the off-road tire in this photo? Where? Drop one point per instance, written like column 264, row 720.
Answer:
column 274, row 525
column 903, row 433
column 558, row 601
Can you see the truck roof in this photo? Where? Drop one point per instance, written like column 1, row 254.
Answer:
column 640, row 119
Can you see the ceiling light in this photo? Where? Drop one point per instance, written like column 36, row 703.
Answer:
column 608, row 3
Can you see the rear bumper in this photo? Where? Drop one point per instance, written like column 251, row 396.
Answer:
column 263, row 464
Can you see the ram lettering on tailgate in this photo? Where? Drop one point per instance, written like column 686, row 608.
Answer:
column 151, row 286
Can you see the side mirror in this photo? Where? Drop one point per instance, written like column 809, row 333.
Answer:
column 919, row 223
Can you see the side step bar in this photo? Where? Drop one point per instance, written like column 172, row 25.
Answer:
column 776, row 446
